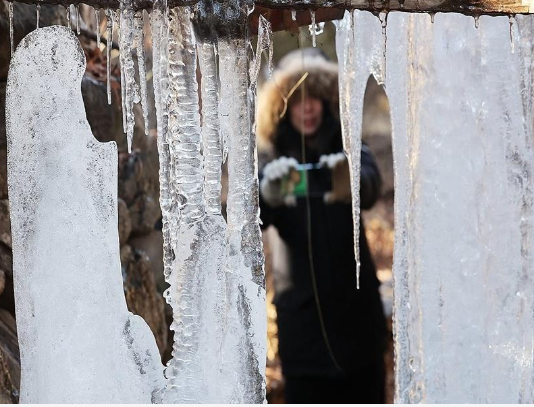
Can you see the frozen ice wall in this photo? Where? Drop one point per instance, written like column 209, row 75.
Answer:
column 78, row 342
column 462, row 115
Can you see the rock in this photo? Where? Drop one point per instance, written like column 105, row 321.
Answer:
column 3, row 140
column 125, row 224
column 144, row 213
column 131, row 177
column 9, row 359
column 3, row 168
column 152, row 245
column 142, row 297
column 5, row 223
column 2, row 281
column 105, row 120
column 7, row 298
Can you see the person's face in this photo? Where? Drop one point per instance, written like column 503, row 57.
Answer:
column 306, row 115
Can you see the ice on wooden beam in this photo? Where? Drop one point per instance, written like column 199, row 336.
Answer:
column 78, row 342
column 462, row 118
column 198, row 237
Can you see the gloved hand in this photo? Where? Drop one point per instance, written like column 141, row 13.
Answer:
column 271, row 184
column 339, row 167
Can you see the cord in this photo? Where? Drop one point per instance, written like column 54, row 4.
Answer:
column 309, row 234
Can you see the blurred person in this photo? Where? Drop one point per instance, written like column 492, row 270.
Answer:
column 331, row 336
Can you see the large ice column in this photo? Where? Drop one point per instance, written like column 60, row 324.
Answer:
column 461, row 107
column 198, row 240
column 78, row 342
column 247, row 330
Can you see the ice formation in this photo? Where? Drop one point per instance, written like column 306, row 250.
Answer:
column 215, row 270
column 78, row 342
column 462, row 116
column 10, row 12
column 129, row 87
column 97, row 20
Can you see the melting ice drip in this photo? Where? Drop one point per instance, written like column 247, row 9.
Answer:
column 462, row 115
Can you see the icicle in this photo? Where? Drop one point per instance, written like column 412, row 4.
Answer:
column 140, row 43
column 198, row 251
column 159, row 24
column 78, row 19
column 211, row 135
column 97, row 17
column 184, row 117
column 432, row 17
column 245, row 257
column 110, row 17
column 11, row 36
column 294, row 15
column 128, row 84
column 511, row 19
column 38, row 14
column 264, row 43
column 477, row 18
column 313, row 28
column 67, row 11
column 383, row 16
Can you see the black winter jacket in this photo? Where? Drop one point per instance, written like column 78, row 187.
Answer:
column 354, row 321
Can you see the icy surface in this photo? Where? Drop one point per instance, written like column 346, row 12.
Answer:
column 462, row 116
column 78, row 342
column 10, row 12
column 97, row 19
column 211, row 128
column 140, row 43
column 110, row 19
column 129, row 87
column 246, row 331
column 264, row 43
column 218, row 322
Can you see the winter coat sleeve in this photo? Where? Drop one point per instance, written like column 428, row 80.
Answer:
column 371, row 181
column 267, row 214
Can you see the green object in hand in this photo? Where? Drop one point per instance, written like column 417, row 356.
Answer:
column 295, row 183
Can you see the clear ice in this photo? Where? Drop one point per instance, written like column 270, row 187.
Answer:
column 78, row 342
column 245, row 285
column 97, row 19
column 10, row 12
column 110, row 18
column 462, row 115
column 129, row 87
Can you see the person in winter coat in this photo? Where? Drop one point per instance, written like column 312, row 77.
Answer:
column 331, row 335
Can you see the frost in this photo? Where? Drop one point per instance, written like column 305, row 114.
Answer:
column 78, row 342
column 462, row 116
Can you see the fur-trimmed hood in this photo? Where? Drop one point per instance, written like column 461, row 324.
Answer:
column 321, row 82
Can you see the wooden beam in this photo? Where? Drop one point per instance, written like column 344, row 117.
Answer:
column 469, row 7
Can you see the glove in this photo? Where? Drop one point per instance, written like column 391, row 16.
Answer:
column 339, row 167
column 271, row 184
